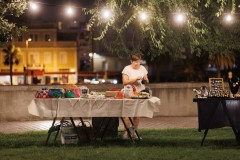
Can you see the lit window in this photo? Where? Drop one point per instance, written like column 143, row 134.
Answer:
column 47, row 57
column 63, row 57
column 31, row 36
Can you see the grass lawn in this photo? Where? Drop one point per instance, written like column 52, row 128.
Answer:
column 172, row 144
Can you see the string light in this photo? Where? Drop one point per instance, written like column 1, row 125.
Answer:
column 33, row 6
column 69, row 11
column 143, row 16
column 180, row 18
column 229, row 18
column 106, row 13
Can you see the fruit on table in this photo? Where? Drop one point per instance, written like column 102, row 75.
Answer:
column 120, row 95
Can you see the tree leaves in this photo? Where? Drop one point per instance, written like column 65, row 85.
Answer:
column 10, row 8
column 160, row 35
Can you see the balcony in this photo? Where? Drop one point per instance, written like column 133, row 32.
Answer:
column 35, row 66
column 40, row 44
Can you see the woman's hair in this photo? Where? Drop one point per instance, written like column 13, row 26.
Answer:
column 135, row 57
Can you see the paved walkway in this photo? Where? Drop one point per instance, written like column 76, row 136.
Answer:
column 146, row 123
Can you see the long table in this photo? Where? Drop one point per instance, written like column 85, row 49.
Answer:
column 78, row 107
column 217, row 113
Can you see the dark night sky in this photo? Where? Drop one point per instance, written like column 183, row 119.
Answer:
column 54, row 11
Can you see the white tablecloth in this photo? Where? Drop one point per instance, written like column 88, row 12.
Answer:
column 76, row 107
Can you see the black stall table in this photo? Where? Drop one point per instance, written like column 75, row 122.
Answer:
column 217, row 113
column 79, row 108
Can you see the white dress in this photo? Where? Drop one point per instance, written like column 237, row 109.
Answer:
column 134, row 73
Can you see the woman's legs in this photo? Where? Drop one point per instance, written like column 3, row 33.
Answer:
column 128, row 123
column 136, row 123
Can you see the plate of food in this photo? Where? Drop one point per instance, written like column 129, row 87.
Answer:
column 141, row 95
column 136, row 97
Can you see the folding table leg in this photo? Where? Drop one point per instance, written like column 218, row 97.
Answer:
column 205, row 134
column 134, row 127
column 125, row 126
column 238, row 135
column 84, row 127
column 58, row 129
column 75, row 128
column 50, row 129
column 230, row 120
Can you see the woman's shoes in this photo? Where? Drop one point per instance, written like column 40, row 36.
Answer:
column 125, row 137
column 134, row 136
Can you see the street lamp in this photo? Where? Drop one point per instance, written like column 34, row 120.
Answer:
column 91, row 55
column 28, row 40
column 91, row 60
column 26, row 65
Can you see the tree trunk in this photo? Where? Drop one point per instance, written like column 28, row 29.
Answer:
column 218, row 72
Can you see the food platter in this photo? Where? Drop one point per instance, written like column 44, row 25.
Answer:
column 139, row 97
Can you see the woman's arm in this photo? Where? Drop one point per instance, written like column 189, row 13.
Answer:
column 126, row 79
column 146, row 78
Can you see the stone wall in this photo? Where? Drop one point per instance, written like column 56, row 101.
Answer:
column 176, row 99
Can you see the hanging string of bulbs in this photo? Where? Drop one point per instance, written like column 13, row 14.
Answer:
column 107, row 13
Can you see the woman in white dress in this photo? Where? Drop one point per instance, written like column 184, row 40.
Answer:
column 133, row 74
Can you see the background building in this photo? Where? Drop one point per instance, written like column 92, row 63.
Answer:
column 46, row 60
column 61, row 49
column 52, row 55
